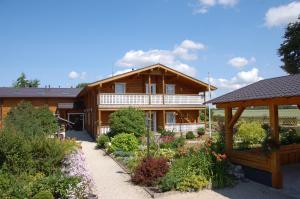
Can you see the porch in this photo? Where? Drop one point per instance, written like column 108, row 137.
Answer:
column 178, row 121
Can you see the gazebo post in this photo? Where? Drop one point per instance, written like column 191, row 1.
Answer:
column 275, row 156
column 228, row 130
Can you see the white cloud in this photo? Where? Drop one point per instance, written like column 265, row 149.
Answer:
column 203, row 5
column 187, row 51
column 121, row 72
column 240, row 62
column 282, row 15
column 228, row 2
column 241, row 79
column 76, row 75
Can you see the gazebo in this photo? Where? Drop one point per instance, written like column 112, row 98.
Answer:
column 271, row 93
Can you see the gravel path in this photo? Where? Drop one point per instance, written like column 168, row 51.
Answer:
column 112, row 183
column 110, row 180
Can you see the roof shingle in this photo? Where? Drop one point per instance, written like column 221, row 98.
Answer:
column 285, row 86
column 39, row 92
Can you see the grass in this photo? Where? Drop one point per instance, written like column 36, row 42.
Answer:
column 264, row 113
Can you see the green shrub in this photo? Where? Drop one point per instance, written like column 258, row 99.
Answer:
column 200, row 131
column 190, row 135
column 15, row 153
column 194, row 171
column 249, row 133
column 134, row 161
column 173, row 143
column 198, row 164
column 102, row 140
column 43, row 195
column 164, row 132
column 129, row 120
column 168, row 153
column 124, row 142
column 31, row 121
column 192, row 183
column 48, row 154
column 289, row 136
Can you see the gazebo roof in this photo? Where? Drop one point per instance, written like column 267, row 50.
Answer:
column 285, row 86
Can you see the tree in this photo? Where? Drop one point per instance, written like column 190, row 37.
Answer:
column 81, row 85
column 22, row 82
column 31, row 121
column 128, row 120
column 289, row 50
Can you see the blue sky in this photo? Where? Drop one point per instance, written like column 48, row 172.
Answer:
column 65, row 42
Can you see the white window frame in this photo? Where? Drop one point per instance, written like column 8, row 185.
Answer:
column 124, row 87
column 152, row 86
column 173, row 119
column 173, row 85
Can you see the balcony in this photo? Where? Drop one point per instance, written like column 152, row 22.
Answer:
column 148, row 100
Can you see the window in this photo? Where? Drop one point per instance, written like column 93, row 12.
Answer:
column 171, row 117
column 170, row 89
column 153, row 88
column 120, row 88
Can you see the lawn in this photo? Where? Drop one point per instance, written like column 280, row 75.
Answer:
column 263, row 113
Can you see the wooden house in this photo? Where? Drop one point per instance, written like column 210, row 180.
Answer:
column 171, row 99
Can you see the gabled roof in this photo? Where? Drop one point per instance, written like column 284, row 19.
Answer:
column 39, row 92
column 285, row 86
column 149, row 68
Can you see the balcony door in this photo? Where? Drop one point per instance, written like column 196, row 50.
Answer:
column 153, row 89
column 153, row 121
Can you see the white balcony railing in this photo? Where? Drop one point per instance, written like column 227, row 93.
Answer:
column 104, row 129
column 177, row 128
column 144, row 99
column 183, row 127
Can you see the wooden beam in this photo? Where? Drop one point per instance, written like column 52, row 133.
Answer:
column 149, row 88
column 205, row 120
column 228, row 130
column 236, row 116
column 99, row 122
column 164, row 87
column 261, row 102
column 275, row 155
column 164, row 119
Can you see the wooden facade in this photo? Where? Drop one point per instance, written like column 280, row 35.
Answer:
column 101, row 98
column 7, row 103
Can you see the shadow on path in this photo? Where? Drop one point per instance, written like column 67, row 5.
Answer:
column 79, row 135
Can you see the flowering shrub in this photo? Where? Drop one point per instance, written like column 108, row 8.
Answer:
column 167, row 139
column 74, row 166
column 150, row 170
